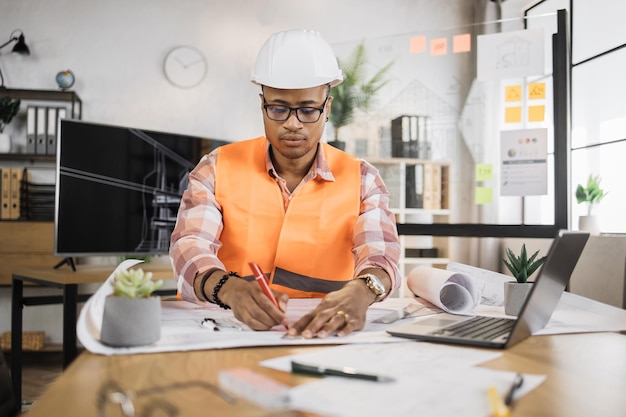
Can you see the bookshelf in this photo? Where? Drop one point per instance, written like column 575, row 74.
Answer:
column 419, row 193
column 27, row 155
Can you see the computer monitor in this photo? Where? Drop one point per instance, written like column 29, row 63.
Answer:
column 118, row 189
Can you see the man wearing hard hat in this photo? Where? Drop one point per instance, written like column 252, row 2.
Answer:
column 313, row 217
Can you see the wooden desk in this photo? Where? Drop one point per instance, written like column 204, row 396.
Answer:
column 67, row 280
column 586, row 376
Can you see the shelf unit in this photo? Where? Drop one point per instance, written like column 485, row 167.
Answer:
column 75, row 111
column 36, row 97
column 76, row 104
column 419, row 193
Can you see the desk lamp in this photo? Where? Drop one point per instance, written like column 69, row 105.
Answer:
column 20, row 47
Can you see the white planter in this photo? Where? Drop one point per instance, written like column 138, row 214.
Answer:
column 515, row 295
column 128, row 322
column 589, row 224
column 5, row 143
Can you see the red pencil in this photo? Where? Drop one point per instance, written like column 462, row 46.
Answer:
column 260, row 278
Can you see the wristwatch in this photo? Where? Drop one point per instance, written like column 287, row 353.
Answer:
column 374, row 284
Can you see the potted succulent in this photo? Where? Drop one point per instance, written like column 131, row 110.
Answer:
column 590, row 194
column 132, row 316
column 521, row 267
column 8, row 109
column 354, row 92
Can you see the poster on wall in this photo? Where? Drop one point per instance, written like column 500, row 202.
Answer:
column 513, row 54
column 524, row 156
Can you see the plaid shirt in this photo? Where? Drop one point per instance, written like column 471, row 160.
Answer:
column 195, row 239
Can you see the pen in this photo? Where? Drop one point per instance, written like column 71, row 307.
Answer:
column 346, row 371
column 498, row 407
column 260, row 278
column 517, row 383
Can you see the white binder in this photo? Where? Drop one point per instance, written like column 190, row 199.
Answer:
column 31, row 134
column 51, row 131
column 40, row 148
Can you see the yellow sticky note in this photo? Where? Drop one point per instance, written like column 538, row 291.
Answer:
column 513, row 93
column 439, row 46
column 484, row 172
column 536, row 113
column 417, row 44
column 536, row 91
column 513, row 114
column 483, row 195
column 461, row 43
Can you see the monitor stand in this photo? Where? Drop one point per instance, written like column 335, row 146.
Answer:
column 68, row 260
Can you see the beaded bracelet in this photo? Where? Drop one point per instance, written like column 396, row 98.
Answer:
column 203, row 282
column 218, row 287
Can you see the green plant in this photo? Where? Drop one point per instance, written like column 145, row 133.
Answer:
column 591, row 194
column 134, row 283
column 8, row 109
column 522, row 267
column 354, row 93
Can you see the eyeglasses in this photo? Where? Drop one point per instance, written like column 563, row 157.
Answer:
column 112, row 393
column 280, row 113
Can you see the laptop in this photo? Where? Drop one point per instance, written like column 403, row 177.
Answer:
column 502, row 332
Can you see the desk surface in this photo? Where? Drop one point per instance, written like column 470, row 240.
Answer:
column 586, row 376
column 85, row 274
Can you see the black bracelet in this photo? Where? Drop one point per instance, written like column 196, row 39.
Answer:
column 218, row 287
column 203, row 282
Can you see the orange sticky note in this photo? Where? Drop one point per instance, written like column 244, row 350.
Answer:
column 513, row 93
column 439, row 46
column 417, row 44
column 513, row 114
column 461, row 43
column 536, row 113
column 536, row 91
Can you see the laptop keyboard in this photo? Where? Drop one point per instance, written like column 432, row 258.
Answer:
column 478, row 328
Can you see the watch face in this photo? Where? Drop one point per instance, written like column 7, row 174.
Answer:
column 377, row 285
column 185, row 67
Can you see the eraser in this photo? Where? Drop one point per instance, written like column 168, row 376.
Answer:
column 255, row 387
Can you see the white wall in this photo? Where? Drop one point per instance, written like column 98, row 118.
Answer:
column 116, row 49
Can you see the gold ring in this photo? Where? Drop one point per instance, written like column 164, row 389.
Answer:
column 343, row 314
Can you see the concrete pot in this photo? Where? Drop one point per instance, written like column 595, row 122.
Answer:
column 515, row 295
column 5, row 143
column 589, row 224
column 128, row 322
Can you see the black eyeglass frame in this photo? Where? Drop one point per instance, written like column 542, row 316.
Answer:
column 296, row 111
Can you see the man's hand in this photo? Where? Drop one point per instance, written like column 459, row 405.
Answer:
column 251, row 306
column 340, row 312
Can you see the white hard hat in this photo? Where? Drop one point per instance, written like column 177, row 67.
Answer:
column 296, row 59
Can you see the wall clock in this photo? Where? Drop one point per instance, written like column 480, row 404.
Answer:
column 185, row 66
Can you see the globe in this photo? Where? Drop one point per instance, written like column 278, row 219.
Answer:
column 65, row 79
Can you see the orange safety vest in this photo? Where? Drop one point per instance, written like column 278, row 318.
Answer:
column 307, row 249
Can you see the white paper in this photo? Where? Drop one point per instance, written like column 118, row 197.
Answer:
column 490, row 284
column 512, row 54
column 424, row 375
column 182, row 327
column 451, row 291
column 524, row 156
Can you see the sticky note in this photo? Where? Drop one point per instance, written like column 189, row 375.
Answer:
column 536, row 91
column 439, row 46
column 513, row 114
column 461, row 43
column 484, row 172
column 417, row 44
column 483, row 195
column 513, row 93
column 536, row 113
